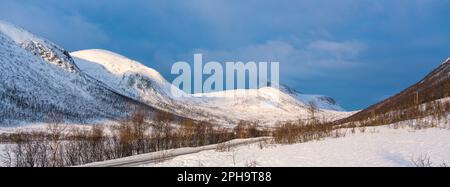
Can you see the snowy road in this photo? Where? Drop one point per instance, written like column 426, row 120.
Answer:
column 161, row 156
column 381, row 147
column 377, row 146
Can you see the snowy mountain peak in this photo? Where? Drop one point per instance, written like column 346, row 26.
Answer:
column 98, row 84
column 447, row 61
column 43, row 48
column 286, row 89
column 321, row 101
column 33, row 90
column 145, row 84
column 17, row 34
column 116, row 63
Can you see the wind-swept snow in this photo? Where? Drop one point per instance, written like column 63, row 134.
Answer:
column 47, row 50
column 17, row 34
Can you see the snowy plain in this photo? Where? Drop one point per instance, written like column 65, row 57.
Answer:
column 377, row 146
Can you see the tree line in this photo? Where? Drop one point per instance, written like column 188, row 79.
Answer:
column 60, row 145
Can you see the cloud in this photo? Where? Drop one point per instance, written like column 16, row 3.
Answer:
column 313, row 59
column 267, row 51
column 70, row 30
column 347, row 49
column 322, row 45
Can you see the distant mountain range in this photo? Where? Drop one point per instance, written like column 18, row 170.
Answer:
column 39, row 79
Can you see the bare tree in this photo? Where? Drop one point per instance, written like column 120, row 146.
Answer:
column 422, row 161
column 312, row 110
column 161, row 128
column 140, row 127
column 55, row 131
column 6, row 157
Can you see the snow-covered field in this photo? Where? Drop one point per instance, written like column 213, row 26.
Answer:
column 43, row 127
column 378, row 146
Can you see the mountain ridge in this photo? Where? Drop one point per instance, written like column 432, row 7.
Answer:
column 38, row 84
column 434, row 86
column 40, row 78
column 116, row 70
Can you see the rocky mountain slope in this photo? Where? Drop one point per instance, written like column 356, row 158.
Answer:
column 433, row 87
column 39, row 80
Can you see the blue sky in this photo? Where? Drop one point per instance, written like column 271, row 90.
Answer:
column 357, row 51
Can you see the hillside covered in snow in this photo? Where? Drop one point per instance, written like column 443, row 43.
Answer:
column 41, row 79
column 137, row 81
column 40, row 82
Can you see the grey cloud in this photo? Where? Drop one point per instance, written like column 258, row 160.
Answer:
column 315, row 58
column 70, row 30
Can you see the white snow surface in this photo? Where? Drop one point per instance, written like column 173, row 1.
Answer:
column 379, row 147
column 115, row 63
column 156, row 156
column 448, row 60
column 46, row 49
column 38, row 78
column 17, row 34
column 135, row 80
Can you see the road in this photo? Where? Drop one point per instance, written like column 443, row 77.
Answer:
column 160, row 156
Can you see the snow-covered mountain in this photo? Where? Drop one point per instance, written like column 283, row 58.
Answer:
column 135, row 80
column 49, row 51
column 323, row 102
column 40, row 79
column 432, row 88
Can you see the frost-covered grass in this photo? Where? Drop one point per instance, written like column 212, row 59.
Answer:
column 377, row 146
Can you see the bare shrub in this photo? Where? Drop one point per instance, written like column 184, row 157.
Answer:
column 6, row 157
column 289, row 133
column 62, row 146
column 263, row 144
column 55, row 131
column 28, row 149
column 162, row 156
column 438, row 110
column 339, row 133
column 233, row 156
column 422, row 161
column 161, row 129
column 312, row 108
column 362, row 129
column 223, row 147
column 252, row 163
